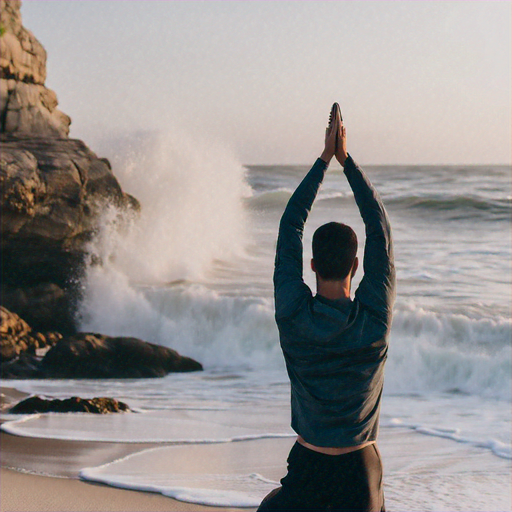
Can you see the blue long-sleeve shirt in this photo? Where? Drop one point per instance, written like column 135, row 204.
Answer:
column 335, row 349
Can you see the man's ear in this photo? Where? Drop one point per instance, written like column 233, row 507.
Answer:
column 313, row 268
column 354, row 266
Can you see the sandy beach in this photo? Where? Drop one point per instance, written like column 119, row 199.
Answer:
column 439, row 470
column 25, row 487
column 24, row 492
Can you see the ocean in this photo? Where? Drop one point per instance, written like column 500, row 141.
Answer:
column 194, row 272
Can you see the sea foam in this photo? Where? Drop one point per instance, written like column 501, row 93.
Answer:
column 191, row 195
column 233, row 475
column 497, row 447
column 436, row 352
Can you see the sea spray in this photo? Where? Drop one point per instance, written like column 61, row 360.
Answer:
column 191, row 192
column 191, row 195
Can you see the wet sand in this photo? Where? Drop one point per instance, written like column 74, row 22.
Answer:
column 41, row 475
column 63, row 491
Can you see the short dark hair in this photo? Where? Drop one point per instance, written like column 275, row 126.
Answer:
column 334, row 250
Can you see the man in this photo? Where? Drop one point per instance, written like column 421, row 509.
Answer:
column 334, row 347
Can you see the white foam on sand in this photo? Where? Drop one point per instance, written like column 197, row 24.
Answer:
column 172, row 426
column 420, row 473
column 234, row 475
column 472, row 472
column 499, row 448
column 429, row 473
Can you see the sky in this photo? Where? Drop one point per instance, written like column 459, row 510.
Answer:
column 419, row 82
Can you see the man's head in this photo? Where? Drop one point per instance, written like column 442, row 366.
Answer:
column 334, row 251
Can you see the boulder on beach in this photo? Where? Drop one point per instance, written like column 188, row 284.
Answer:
column 101, row 405
column 96, row 356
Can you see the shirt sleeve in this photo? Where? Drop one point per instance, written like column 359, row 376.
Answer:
column 377, row 287
column 289, row 287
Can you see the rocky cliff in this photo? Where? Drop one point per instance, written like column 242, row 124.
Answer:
column 52, row 188
column 27, row 106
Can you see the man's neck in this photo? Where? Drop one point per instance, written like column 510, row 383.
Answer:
column 333, row 290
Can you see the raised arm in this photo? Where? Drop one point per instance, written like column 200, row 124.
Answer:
column 377, row 288
column 289, row 286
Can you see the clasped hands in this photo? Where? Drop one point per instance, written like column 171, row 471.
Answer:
column 335, row 140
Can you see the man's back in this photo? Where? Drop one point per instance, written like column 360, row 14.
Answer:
column 335, row 349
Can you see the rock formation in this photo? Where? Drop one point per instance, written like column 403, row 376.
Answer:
column 17, row 337
column 36, row 404
column 27, row 106
column 53, row 190
column 52, row 187
column 28, row 354
column 95, row 356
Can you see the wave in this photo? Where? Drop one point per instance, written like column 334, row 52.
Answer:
column 435, row 352
column 271, row 198
column 175, row 472
column 140, row 429
column 452, row 205
column 334, row 196
column 501, row 207
column 429, row 351
column 191, row 194
column 200, row 323
column 280, row 196
column 192, row 214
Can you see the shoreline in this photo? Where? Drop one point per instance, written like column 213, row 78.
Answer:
column 21, row 492
column 52, row 483
column 41, row 475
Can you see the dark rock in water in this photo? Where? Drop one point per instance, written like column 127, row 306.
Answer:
column 28, row 354
column 36, row 404
column 95, row 356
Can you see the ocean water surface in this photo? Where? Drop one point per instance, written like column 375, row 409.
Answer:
column 194, row 272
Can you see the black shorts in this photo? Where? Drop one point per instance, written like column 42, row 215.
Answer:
column 351, row 482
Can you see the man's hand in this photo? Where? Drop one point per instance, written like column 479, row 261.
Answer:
column 332, row 134
column 335, row 138
column 341, row 145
